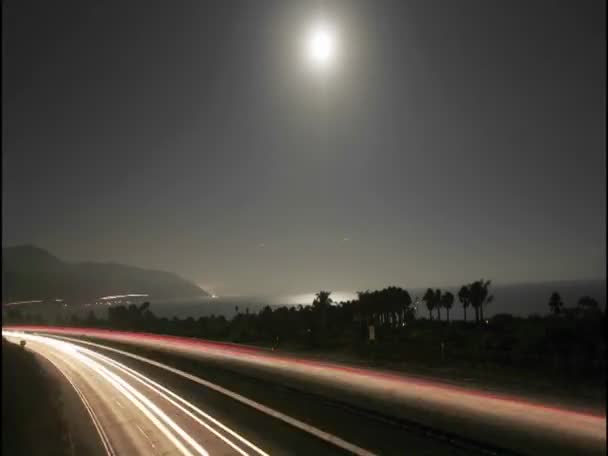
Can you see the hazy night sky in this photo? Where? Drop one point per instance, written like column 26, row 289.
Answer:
column 450, row 141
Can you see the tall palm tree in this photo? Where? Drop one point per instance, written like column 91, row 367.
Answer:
column 429, row 299
column 485, row 298
column 489, row 300
column 475, row 295
column 320, row 307
column 478, row 293
column 555, row 303
column 447, row 301
column 438, row 303
column 463, row 297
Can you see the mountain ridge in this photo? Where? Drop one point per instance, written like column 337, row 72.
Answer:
column 30, row 272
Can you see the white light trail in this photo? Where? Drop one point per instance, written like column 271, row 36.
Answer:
column 130, row 295
column 168, row 395
column 326, row 436
column 88, row 357
column 150, row 410
column 17, row 303
column 102, row 434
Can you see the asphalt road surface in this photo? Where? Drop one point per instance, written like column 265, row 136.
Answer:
column 172, row 396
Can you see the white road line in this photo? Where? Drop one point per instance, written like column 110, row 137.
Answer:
column 97, row 423
column 165, row 394
column 326, row 436
column 145, row 435
column 146, row 407
column 102, row 435
column 149, row 409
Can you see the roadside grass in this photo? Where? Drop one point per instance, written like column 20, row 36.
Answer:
column 32, row 423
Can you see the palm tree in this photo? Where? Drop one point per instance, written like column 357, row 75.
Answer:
column 320, row 307
column 463, row 297
column 478, row 293
column 429, row 299
column 555, row 303
column 438, row 303
column 406, row 305
column 447, row 301
column 489, row 300
column 475, row 297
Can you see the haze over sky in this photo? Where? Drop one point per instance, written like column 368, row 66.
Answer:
column 449, row 141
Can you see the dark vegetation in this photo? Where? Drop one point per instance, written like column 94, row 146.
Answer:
column 569, row 342
column 32, row 423
column 29, row 272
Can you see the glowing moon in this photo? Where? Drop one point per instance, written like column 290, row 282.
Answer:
column 321, row 45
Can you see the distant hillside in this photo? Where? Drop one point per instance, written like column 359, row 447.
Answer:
column 29, row 273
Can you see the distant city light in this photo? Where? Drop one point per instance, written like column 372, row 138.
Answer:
column 16, row 303
column 130, row 295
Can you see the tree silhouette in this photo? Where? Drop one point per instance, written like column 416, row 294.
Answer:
column 567, row 345
column 144, row 306
column 447, row 301
column 437, row 302
column 488, row 301
column 404, row 304
column 478, row 293
column 400, row 303
column 587, row 303
column 320, row 307
column 389, row 306
column 555, row 303
column 463, row 297
column 322, row 299
column 429, row 299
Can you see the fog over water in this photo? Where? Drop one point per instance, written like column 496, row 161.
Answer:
column 518, row 299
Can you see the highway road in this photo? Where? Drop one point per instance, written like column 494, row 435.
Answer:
column 178, row 396
column 133, row 414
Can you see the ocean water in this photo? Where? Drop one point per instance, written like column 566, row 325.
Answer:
column 206, row 306
column 516, row 299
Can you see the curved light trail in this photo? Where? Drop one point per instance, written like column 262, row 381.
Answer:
column 525, row 424
column 118, row 375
